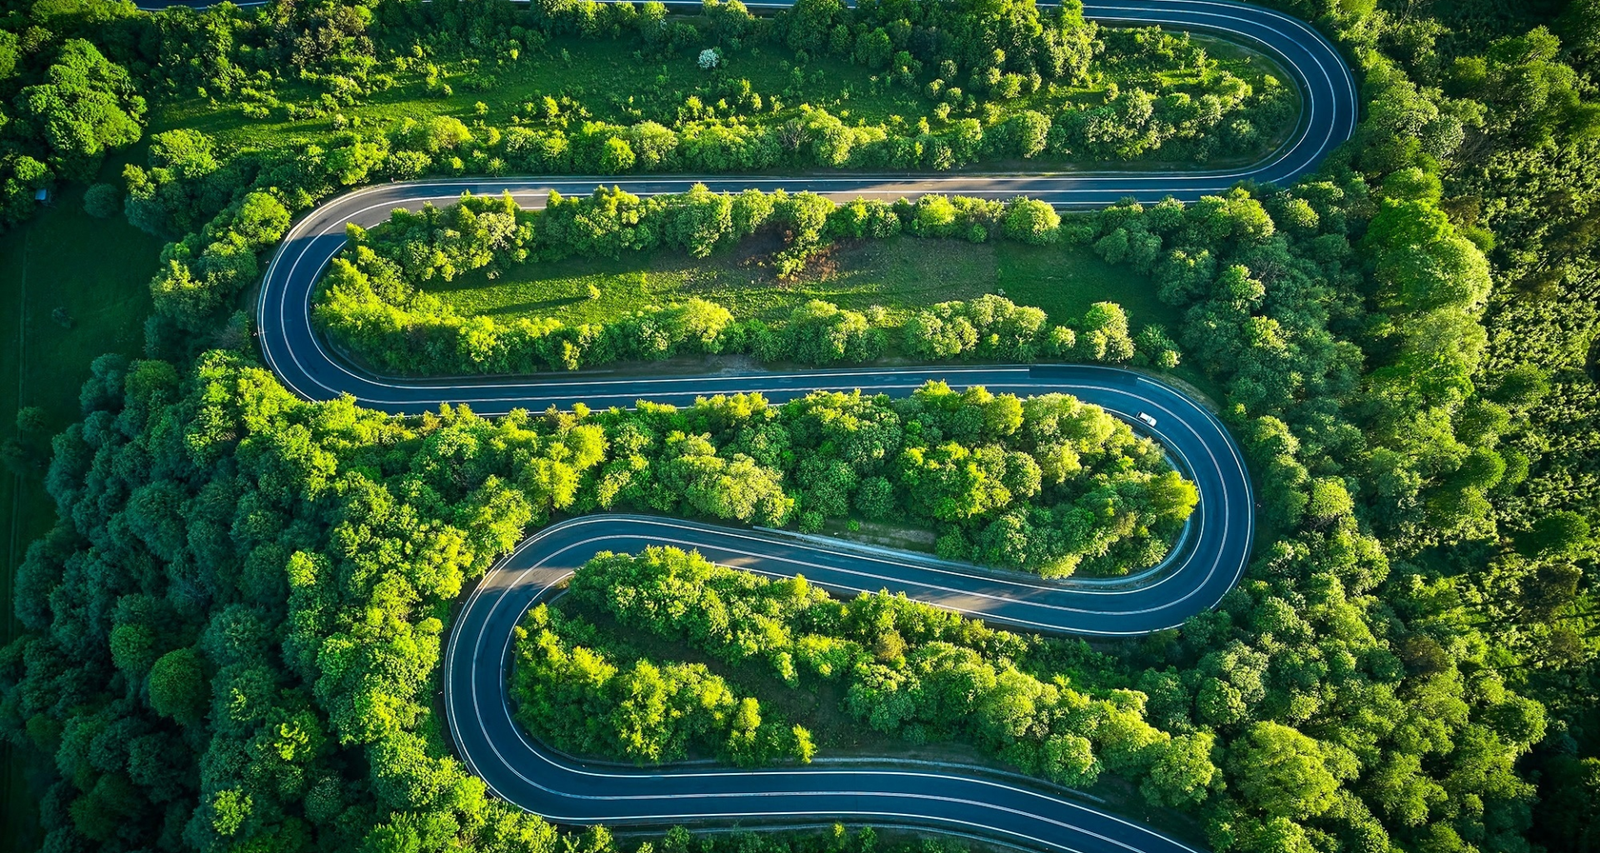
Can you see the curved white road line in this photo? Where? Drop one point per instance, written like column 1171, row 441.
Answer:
column 494, row 747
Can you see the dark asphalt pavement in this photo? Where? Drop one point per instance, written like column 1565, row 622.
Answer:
column 1215, row 553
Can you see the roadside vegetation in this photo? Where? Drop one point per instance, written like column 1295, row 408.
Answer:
column 898, row 274
column 230, row 638
column 913, row 672
column 621, row 88
column 372, row 304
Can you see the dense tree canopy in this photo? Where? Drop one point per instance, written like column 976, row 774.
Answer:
column 906, row 669
column 85, row 107
column 260, row 577
column 372, row 299
column 229, row 638
column 576, row 698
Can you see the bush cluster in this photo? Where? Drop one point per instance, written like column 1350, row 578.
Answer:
column 574, row 690
column 370, row 302
column 906, row 669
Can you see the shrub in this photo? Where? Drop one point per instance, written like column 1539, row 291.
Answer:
column 102, row 200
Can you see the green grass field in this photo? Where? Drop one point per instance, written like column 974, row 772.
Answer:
column 616, row 86
column 603, row 75
column 899, row 274
column 99, row 272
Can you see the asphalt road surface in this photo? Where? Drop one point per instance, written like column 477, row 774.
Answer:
column 1207, row 564
column 1204, row 567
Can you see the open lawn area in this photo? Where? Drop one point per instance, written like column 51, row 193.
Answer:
column 899, row 274
column 97, row 272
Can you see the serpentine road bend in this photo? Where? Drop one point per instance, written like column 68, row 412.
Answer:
column 1199, row 573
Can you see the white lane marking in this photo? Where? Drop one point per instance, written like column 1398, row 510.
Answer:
column 1133, row 14
column 670, row 776
column 862, row 185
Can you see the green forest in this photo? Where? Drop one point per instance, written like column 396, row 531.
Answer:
column 374, row 304
column 229, row 604
column 905, row 669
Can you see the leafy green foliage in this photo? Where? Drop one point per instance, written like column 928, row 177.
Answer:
column 178, row 686
column 371, row 301
column 248, row 617
column 85, row 106
column 326, row 541
column 1403, row 340
column 577, row 699
column 906, row 669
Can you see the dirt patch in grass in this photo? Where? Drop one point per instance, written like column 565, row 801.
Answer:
column 881, row 534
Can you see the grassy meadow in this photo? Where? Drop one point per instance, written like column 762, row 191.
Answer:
column 900, row 274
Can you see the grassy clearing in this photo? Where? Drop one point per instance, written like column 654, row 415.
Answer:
column 98, row 271
column 614, row 83
column 603, row 75
column 900, row 274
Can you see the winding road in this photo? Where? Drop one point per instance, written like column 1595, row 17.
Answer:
column 1195, row 578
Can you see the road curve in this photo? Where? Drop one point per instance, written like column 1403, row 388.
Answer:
column 475, row 695
column 296, row 353
column 520, row 771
